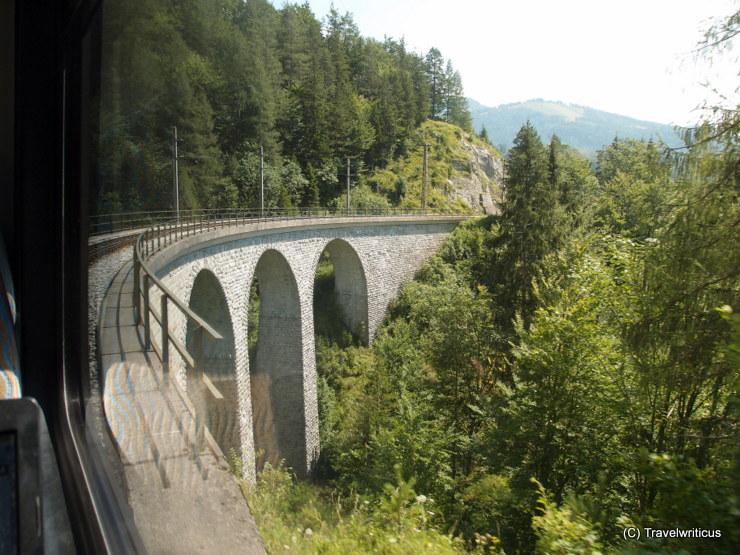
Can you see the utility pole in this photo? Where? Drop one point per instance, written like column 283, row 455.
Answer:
column 262, row 181
column 424, row 185
column 175, row 179
column 348, row 186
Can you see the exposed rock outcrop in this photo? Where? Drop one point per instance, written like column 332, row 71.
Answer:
column 478, row 180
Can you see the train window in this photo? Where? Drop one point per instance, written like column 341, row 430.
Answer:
column 166, row 408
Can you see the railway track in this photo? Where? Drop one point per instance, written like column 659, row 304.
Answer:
column 101, row 245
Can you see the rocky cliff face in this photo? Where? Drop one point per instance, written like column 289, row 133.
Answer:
column 478, row 177
column 464, row 173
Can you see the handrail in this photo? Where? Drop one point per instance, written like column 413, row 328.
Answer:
column 164, row 234
column 109, row 223
column 142, row 316
column 160, row 236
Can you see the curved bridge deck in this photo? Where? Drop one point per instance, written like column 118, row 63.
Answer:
column 160, row 416
column 183, row 495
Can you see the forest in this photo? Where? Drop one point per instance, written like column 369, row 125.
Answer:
column 234, row 77
column 556, row 377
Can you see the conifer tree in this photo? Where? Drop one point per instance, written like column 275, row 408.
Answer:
column 437, row 83
column 484, row 135
column 234, row 76
column 311, row 197
column 532, row 226
column 456, row 105
column 571, row 175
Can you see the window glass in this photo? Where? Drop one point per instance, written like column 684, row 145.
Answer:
column 172, row 419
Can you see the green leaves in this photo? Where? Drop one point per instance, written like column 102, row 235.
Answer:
column 533, row 225
column 560, row 530
column 236, row 76
column 634, row 179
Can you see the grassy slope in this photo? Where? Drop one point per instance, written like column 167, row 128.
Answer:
column 445, row 154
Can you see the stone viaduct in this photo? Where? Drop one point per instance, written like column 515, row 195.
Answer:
column 271, row 407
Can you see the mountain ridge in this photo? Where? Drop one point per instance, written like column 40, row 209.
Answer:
column 584, row 128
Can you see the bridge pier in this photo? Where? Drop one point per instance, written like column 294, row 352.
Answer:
column 275, row 395
column 279, row 420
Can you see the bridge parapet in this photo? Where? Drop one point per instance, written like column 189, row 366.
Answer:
column 381, row 251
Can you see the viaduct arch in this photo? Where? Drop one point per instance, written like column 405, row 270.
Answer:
column 276, row 380
column 215, row 359
column 271, row 407
column 350, row 286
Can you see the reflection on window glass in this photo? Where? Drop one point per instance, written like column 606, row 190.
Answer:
column 174, row 420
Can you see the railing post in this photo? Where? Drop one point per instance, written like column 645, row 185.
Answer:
column 165, row 336
column 147, row 321
column 198, row 375
column 136, row 300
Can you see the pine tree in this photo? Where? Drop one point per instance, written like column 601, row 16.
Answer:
column 532, row 227
column 437, row 83
column 484, row 135
column 304, row 120
column 572, row 177
column 456, row 105
column 234, row 76
column 311, row 198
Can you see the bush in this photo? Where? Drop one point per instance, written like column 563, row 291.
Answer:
column 295, row 517
column 562, row 531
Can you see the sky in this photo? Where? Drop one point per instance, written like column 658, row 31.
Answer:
column 631, row 57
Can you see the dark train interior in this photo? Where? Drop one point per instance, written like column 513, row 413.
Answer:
column 60, row 499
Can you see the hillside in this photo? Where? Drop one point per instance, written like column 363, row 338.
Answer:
column 586, row 129
column 465, row 174
column 247, row 79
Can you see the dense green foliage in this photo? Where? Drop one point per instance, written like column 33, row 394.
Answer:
column 296, row 517
column 558, row 344
column 569, row 368
column 554, row 373
column 233, row 76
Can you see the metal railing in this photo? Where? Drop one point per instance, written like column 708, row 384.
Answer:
column 111, row 223
column 144, row 311
column 165, row 233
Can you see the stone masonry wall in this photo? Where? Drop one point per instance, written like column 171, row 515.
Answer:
column 390, row 251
